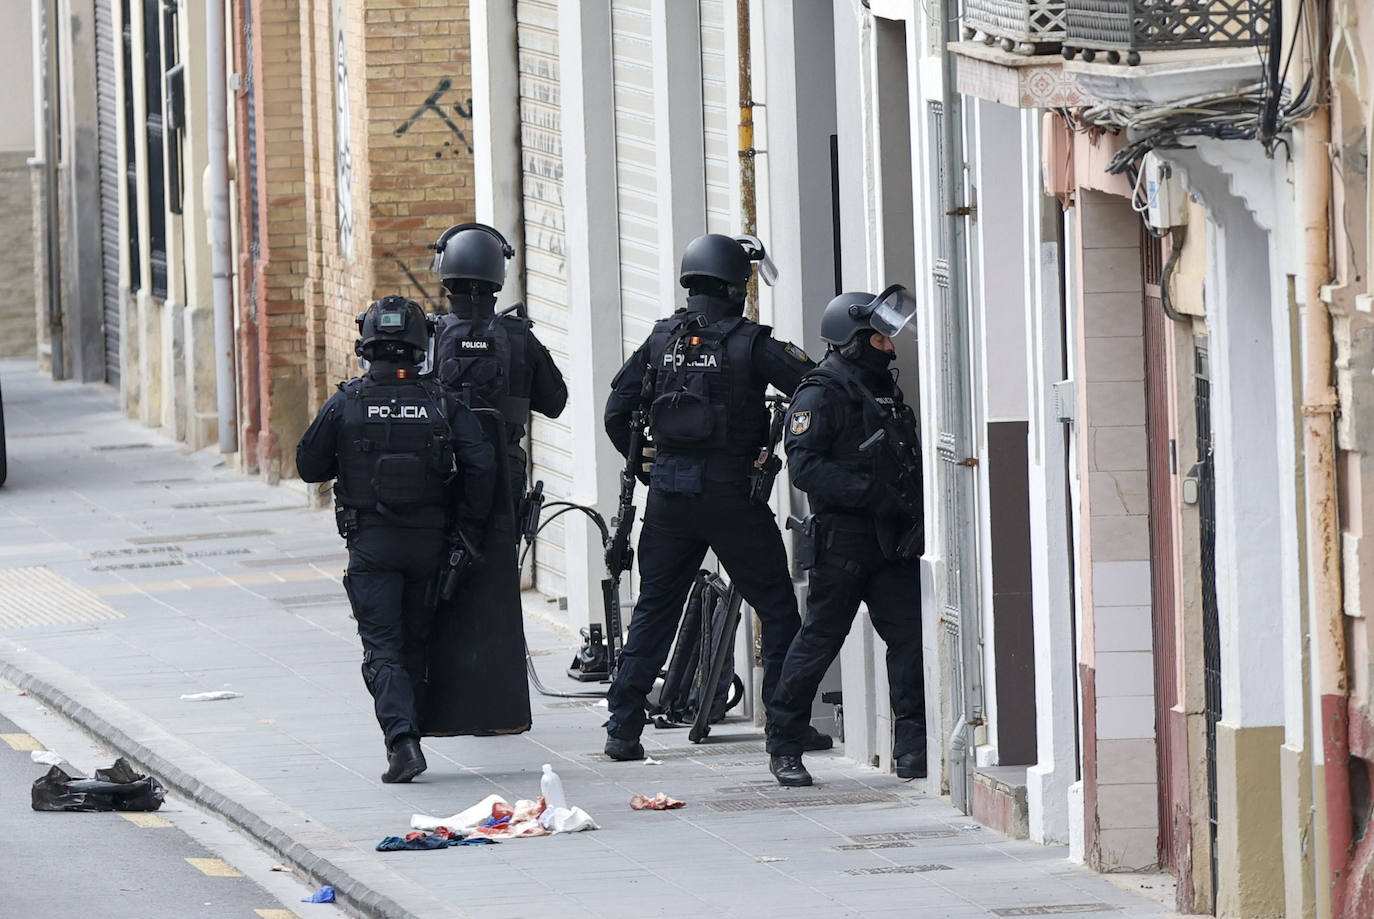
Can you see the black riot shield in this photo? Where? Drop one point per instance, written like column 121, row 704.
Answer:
column 477, row 682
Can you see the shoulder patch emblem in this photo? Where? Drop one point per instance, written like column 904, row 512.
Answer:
column 799, row 423
column 796, row 352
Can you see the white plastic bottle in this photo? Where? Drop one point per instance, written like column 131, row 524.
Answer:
column 551, row 786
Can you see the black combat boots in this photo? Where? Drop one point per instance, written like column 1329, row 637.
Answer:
column 404, row 760
column 911, row 766
column 788, row 770
column 623, row 750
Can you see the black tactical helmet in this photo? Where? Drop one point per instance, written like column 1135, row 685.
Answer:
column 849, row 314
column 395, row 325
column 716, row 257
column 838, row 327
column 472, row 252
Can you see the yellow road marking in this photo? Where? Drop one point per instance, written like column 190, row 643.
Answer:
column 215, row 867
column 275, row 913
column 147, row 821
column 22, row 741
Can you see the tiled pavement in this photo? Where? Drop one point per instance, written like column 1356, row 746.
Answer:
column 175, row 574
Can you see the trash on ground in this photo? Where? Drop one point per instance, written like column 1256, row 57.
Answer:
column 766, row 859
column 495, row 818
column 212, row 696
column 324, row 895
column 118, row 788
column 600, row 704
column 650, row 761
column 46, row 757
column 659, row 802
column 279, row 868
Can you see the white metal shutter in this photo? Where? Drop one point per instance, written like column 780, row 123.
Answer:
column 636, row 171
column 108, row 138
column 717, row 29
column 546, row 283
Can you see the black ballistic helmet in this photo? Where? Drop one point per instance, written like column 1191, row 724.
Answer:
column 472, row 252
column 849, row 314
column 715, row 257
column 838, row 325
column 395, row 328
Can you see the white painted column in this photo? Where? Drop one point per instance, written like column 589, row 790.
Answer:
column 593, row 272
column 678, row 134
column 1048, row 781
column 497, row 172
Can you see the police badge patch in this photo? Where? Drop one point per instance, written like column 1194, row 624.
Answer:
column 799, row 423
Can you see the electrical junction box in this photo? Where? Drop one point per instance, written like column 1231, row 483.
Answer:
column 1165, row 200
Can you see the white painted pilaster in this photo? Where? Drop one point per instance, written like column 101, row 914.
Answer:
column 497, row 172
column 678, row 134
column 589, row 199
column 1048, row 781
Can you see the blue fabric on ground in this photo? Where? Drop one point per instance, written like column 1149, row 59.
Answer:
column 324, row 895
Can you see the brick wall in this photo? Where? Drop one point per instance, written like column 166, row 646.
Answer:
column 17, row 229
column 419, row 108
column 406, row 72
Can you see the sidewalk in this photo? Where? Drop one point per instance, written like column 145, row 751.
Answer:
column 132, row 572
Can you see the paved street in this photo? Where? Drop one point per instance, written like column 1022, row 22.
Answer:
column 100, row 865
column 132, row 573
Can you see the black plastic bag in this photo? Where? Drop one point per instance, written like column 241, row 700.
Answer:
column 118, row 788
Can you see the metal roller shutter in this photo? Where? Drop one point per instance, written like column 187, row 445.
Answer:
column 546, row 288
column 108, row 124
column 716, row 31
column 636, row 170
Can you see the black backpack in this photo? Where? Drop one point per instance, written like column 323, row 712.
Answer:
column 679, row 699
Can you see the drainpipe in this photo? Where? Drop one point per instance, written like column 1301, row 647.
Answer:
column 51, row 192
column 746, row 148
column 1319, row 404
column 217, row 102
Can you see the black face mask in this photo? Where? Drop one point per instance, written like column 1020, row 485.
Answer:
column 465, row 306
column 865, row 357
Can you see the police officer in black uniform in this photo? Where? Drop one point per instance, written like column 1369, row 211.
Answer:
column 852, row 447
column 410, row 462
column 493, row 358
column 708, row 370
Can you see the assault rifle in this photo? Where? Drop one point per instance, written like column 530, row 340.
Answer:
column 768, row 464
column 620, row 555
column 906, row 455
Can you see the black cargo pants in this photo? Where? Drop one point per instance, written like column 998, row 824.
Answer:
column 851, row 569
column 678, row 529
column 391, row 577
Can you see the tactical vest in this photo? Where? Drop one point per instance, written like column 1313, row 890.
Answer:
column 857, row 424
column 486, row 358
column 395, row 447
column 706, row 396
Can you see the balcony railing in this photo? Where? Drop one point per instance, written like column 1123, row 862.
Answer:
column 1022, row 26
column 1128, row 27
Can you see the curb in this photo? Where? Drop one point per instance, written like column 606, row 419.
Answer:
column 358, row 896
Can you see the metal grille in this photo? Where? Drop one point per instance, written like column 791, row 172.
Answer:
column 730, row 805
column 155, row 145
column 1211, row 628
column 954, row 591
column 897, row 869
column 1018, row 21
column 1056, row 909
column 31, row 597
column 1138, row 25
column 130, row 145
column 108, row 133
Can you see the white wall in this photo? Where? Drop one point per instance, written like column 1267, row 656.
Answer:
column 19, row 101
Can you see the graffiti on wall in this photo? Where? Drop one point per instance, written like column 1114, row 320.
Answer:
column 431, row 104
column 343, row 153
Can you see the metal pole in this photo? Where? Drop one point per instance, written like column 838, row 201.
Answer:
column 746, row 148
column 51, row 192
column 217, row 104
